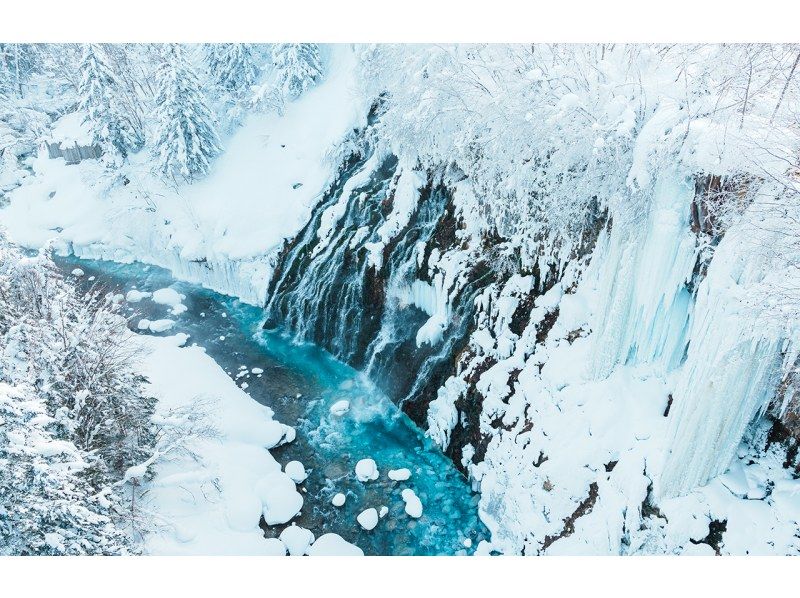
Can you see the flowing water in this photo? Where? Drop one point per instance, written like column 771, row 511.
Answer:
column 299, row 383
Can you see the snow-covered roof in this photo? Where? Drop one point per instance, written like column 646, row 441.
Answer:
column 71, row 129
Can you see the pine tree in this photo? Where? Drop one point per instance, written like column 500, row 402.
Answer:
column 232, row 67
column 98, row 92
column 186, row 138
column 297, row 67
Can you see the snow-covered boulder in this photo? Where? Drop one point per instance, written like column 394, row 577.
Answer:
column 413, row 503
column 334, row 545
column 280, row 499
column 399, row 475
column 368, row 519
column 296, row 471
column 297, row 539
column 366, row 470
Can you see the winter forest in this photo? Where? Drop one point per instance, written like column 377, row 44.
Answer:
column 380, row 299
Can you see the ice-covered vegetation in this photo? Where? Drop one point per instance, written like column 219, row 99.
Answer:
column 75, row 417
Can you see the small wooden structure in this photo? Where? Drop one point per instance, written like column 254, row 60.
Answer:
column 75, row 153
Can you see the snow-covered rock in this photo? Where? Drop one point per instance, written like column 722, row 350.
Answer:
column 161, row 325
column 135, row 296
column 296, row 471
column 368, row 519
column 399, row 475
column 274, row 547
column 297, row 539
column 413, row 503
column 334, row 545
column 366, row 470
column 280, row 499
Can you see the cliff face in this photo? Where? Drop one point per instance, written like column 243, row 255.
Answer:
column 581, row 394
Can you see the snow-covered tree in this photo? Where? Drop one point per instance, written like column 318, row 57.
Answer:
column 99, row 92
column 46, row 506
column 232, row 67
column 186, row 139
column 75, row 417
column 297, row 67
column 18, row 62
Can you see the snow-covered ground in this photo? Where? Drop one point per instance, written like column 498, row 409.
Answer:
column 221, row 231
column 208, row 499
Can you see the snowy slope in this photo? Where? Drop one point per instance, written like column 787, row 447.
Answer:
column 221, row 231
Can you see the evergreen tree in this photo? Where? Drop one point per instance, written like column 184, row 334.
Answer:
column 98, row 92
column 232, row 67
column 297, row 67
column 186, row 138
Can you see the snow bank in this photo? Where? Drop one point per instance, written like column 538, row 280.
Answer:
column 212, row 502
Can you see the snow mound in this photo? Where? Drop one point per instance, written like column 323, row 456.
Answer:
column 172, row 298
column 334, row 545
column 296, row 471
column 399, row 475
column 368, row 519
column 280, row 499
column 366, row 470
column 274, row 547
column 338, row 500
column 413, row 503
column 134, row 296
column 161, row 325
column 297, row 539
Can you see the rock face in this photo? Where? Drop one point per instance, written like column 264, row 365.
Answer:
column 366, row 279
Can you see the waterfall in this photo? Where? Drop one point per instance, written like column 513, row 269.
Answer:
column 369, row 278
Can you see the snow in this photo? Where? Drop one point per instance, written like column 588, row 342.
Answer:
column 77, row 272
column 274, row 547
column 135, row 296
column 366, row 470
column 71, row 130
column 334, row 545
column 413, row 503
column 171, row 298
column 196, row 231
column 279, row 497
column 368, row 519
column 338, row 499
column 383, row 511
column 160, row 325
column 340, row 407
column 296, row 471
column 256, row 371
column 297, row 540
column 399, row 475
column 144, row 324
column 232, row 478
